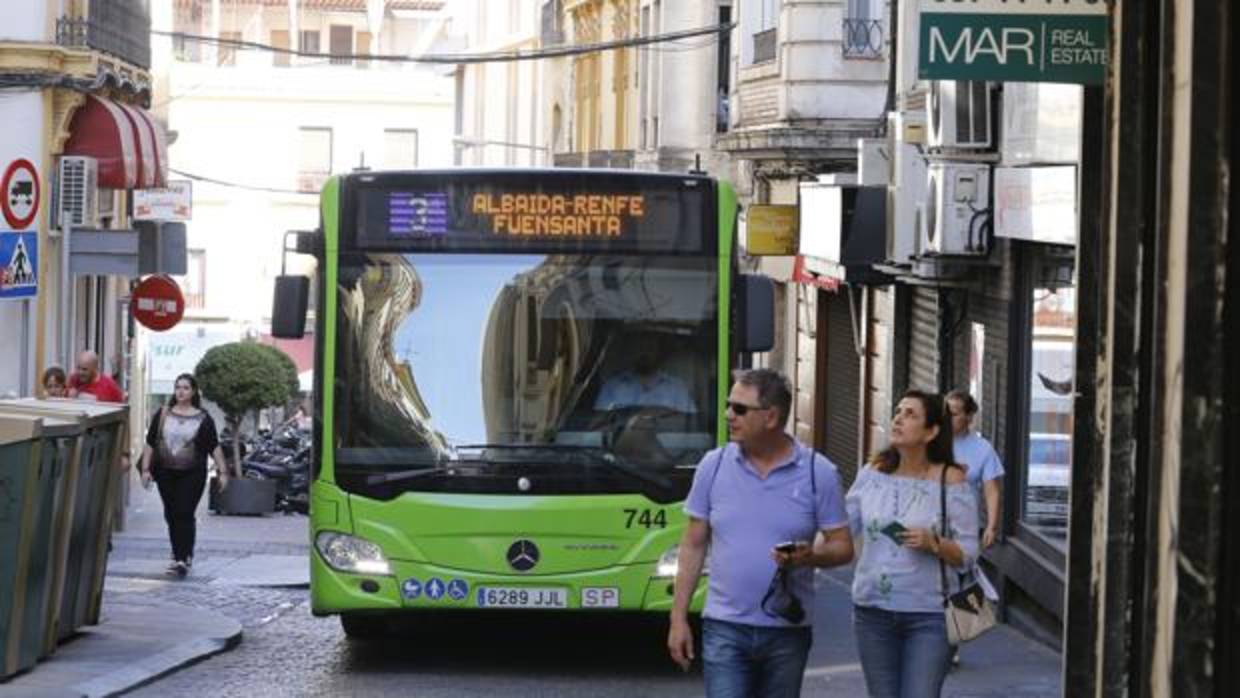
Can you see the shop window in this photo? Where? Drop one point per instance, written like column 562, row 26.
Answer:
column 1048, row 471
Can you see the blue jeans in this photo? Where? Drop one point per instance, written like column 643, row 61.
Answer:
column 903, row 655
column 748, row 661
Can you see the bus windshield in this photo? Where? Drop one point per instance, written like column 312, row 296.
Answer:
column 467, row 371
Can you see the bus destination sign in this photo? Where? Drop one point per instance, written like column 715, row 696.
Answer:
column 502, row 212
column 546, row 215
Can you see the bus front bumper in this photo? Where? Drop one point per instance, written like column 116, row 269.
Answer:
column 421, row 586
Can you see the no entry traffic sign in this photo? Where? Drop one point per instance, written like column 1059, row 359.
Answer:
column 157, row 303
column 19, row 189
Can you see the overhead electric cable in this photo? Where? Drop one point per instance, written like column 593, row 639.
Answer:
column 462, row 58
column 236, row 185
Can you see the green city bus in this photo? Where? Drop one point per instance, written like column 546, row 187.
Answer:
column 516, row 374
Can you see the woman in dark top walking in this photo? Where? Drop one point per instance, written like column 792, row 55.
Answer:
column 180, row 438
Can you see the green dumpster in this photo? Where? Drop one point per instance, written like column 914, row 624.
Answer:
column 83, row 521
column 27, row 473
column 30, row 590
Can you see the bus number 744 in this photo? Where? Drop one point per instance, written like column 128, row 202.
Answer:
column 645, row 518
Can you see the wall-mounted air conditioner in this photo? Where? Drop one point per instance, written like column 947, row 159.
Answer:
column 958, row 114
column 956, row 209
column 905, row 196
column 77, row 194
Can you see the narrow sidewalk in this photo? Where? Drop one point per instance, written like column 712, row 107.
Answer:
column 136, row 642
column 1001, row 664
column 151, row 626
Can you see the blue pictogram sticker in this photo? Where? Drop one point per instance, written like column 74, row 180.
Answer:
column 411, row 588
column 435, row 588
column 458, row 589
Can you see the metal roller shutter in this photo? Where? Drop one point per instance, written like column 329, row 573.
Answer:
column 923, row 350
column 842, row 384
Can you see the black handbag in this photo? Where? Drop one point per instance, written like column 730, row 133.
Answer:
column 968, row 612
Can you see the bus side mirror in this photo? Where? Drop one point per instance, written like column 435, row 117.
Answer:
column 755, row 313
column 288, row 309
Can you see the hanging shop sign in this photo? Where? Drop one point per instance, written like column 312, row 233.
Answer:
column 171, row 203
column 771, row 230
column 1013, row 40
column 157, row 303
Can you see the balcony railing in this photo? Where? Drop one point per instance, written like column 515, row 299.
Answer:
column 863, row 38
column 121, row 28
column 764, row 45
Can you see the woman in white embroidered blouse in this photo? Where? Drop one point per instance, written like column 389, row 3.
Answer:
column 895, row 511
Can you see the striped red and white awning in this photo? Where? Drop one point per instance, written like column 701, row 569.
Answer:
column 128, row 144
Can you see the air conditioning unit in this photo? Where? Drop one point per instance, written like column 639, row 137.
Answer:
column 956, row 209
column 77, row 194
column 905, row 197
column 958, row 114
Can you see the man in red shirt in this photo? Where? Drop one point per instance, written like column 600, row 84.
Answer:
column 87, row 383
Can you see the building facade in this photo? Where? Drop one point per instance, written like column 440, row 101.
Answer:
column 500, row 117
column 807, row 80
column 259, row 131
column 78, row 141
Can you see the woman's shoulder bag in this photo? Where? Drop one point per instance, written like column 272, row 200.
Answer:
column 968, row 612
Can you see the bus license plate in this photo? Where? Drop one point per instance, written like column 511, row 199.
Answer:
column 522, row 597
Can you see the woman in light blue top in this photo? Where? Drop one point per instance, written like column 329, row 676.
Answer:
column 975, row 453
column 895, row 512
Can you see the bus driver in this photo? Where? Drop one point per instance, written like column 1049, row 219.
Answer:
column 645, row 385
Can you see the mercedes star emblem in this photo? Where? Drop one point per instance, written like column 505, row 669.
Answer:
column 522, row 555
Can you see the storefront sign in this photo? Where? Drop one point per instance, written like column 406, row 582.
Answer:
column 1036, row 204
column 172, row 203
column 157, row 303
column 1013, row 40
column 771, row 230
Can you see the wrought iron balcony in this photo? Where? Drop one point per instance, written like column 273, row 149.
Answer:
column 121, row 28
column 863, row 38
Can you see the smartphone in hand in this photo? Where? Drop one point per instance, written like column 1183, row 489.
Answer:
column 893, row 531
column 787, row 546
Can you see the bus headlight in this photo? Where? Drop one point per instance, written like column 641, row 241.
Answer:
column 347, row 553
column 669, row 563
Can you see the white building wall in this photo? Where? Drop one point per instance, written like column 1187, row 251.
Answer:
column 502, row 114
column 241, row 125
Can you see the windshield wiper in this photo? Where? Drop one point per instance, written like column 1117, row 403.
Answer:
column 602, row 457
column 403, row 475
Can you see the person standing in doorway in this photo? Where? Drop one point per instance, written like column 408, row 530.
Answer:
column 770, row 509
column 87, row 383
column 180, row 438
column 973, row 451
column 895, row 509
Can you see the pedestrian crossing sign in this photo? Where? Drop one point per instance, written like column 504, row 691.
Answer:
column 19, row 265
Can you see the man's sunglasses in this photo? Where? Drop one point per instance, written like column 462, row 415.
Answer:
column 740, row 409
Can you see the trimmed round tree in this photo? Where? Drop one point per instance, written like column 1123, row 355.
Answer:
column 288, row 369
column 243, row 377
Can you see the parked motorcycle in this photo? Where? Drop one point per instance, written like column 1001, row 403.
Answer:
column 282, row 455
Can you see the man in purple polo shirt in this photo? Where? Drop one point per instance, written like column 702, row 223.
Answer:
column 764, row 489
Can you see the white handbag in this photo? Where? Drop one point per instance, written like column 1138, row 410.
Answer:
column 970, row 611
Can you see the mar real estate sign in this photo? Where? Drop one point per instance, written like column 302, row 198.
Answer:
column 1013, row 40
